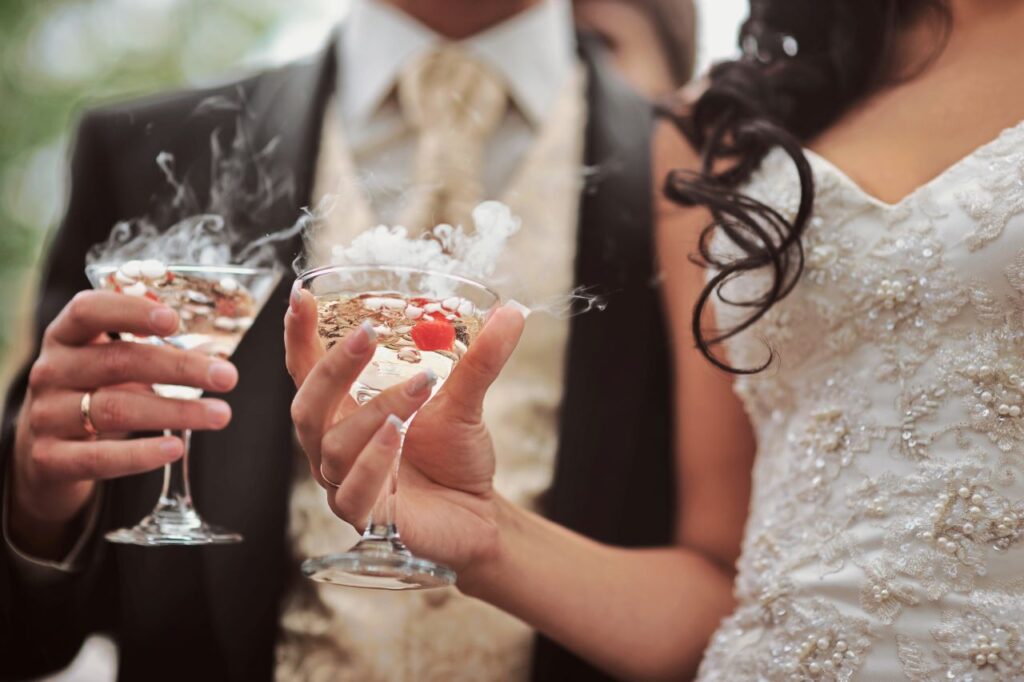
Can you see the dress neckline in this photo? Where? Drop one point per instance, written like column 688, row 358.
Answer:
column 920, row 189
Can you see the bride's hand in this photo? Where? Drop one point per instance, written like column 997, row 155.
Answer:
column 446, row 504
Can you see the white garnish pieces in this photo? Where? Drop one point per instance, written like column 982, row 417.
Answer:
column 138, row 289
column 132, row 269
column 152, row 269
column 123, row 279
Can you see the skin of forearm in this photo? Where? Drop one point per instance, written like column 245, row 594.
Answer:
column 639, row 614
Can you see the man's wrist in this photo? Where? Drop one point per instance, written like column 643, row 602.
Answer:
column 40, row 534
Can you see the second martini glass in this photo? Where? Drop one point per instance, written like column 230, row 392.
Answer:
column 216, row 305
column 423, row 320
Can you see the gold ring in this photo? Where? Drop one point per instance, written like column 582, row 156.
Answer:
column 87, row 424
column 327, row 480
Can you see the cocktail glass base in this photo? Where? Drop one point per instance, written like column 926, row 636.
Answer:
column 169, row 527
column 379, row 564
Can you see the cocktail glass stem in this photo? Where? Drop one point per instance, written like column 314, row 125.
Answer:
column 174, row 508
column 384, row 530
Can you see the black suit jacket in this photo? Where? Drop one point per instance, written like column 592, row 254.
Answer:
column 212, row 613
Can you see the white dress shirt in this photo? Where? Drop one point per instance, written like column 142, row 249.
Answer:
column 534, row 52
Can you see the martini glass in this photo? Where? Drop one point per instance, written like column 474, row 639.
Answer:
column 423, row 320
column 216, row 305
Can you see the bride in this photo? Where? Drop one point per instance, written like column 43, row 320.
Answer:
column 859, row 205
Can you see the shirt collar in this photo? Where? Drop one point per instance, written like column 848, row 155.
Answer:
column 534, row 52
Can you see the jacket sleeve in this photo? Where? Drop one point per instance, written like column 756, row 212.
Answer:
column 46, row 611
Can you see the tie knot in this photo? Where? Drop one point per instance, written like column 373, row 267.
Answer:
column 447, row 89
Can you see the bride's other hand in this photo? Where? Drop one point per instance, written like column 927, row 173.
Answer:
column 446, row 503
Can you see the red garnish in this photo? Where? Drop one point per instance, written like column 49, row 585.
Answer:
column 225, row 307
column 433, row 334
column 169, row 276
column 151, row 296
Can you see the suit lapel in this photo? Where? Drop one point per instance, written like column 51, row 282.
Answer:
column 246, row 470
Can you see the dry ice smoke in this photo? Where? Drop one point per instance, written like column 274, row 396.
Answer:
column 216, row 229
column 446, row 248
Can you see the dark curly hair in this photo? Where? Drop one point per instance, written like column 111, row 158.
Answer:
column 804, row 63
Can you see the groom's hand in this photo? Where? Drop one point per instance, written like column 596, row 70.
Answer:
column 56, row 460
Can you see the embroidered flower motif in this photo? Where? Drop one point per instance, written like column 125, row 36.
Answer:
column 812, row 642
column 984, row 641
column 1000, row 192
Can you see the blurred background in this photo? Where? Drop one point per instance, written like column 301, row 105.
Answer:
column 60, row 56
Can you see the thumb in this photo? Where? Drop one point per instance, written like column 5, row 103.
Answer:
column 302, row 345
column 480, row 366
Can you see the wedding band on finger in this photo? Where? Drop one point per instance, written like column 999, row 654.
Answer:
column 87, row 424
column 327, row 480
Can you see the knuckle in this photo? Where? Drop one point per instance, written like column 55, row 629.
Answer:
column 117, row 360
column 343, row 507
column 90, row 459
column 79, row 307
column 182, row 365
column 301, row 415
column 112, row 411
column 40, row 456
column 38, row 416
column 41, row 374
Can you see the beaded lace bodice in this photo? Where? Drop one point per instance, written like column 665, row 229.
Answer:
column 886, row 532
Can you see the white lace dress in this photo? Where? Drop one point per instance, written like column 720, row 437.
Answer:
column 886, row 532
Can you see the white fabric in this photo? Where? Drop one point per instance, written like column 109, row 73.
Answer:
column 886, row 531
column 534, row 52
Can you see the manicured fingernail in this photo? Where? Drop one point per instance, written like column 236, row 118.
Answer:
column 389, row 434
column 296, row 298
column 519, row 308
column 223, row 375
column 162, row 320
column 421, row 382
column 218, row 414
column 360, row 340
column 171, row 447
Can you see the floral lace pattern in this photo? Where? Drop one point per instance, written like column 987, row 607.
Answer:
column 888, row 498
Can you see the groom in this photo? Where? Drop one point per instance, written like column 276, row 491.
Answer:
column 580, row 417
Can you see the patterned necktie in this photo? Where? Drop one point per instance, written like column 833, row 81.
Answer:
column 455, row 104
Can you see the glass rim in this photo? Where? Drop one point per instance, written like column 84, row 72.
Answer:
column 310, row 275
column 227, row 269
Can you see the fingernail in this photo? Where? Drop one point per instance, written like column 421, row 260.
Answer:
column 389, row 435
column 421, row 382
column 218, row 414
column 360, row 340
column 296, row 298
column 162, row 319
column 518, row 307
column 171, row 447
column 223, row 375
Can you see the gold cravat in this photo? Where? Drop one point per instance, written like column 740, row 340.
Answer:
column 455, row 104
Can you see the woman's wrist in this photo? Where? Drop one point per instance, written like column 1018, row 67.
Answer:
column 476, row 579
